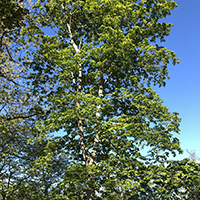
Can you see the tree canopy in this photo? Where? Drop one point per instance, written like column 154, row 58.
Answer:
column 90, row 68
column 16, row 120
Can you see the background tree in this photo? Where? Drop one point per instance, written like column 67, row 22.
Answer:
column 193, row 155
column 181, row 178
column 95, row 74
column 17, row 113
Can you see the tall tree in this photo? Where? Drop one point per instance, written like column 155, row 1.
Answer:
column 16, row 106
column 95, row 74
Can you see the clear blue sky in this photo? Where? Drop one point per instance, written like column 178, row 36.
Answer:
column 182, row 92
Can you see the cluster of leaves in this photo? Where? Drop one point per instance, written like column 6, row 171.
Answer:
column 91, row 80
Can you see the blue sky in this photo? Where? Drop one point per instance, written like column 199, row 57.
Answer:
column 182, row 92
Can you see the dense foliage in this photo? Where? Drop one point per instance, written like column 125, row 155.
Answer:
column 17, row 113
column 85, row 122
